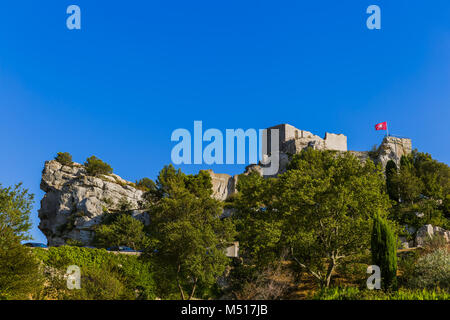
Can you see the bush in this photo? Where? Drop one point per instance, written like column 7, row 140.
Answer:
column 19, row 270
column 104, row 275
column 64, row 158
column 95, row 166
column 99, row 285
column 146, row 185
column 431, row 271
column 271, row 283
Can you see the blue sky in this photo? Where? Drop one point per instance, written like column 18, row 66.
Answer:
column 137, row 70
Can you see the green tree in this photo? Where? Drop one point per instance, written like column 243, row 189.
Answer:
column 124, row 230
column 384, row 252
column 146, row 184
column 20, row 275
column 190, row 236
column 320, row 210
column 15, row 208
column 95, row 166
column 423, row 186
column 64, row 158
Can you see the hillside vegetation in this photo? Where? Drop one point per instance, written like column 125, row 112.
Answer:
column 309, row 233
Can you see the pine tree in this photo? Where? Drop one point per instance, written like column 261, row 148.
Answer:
column 384, row 253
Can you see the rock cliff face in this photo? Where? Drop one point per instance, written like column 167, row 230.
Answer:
column 393, row 148
column 224, row 185
column 75, row 202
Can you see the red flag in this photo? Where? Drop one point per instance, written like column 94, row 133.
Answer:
column 381, row 126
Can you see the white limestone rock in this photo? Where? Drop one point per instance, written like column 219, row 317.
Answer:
column 74, row 202
column 427, row 232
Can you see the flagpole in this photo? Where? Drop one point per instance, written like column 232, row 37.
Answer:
column 387, row 130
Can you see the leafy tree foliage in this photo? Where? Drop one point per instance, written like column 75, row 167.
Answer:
column 422, row 191
column 95, row 166
column 384, row 252
column 320, row 210
column 15, row 208
column 146, row 184
column 123, row 230
column 64, row 158
column 190, row 236
column 431, row 271
column 20, row 276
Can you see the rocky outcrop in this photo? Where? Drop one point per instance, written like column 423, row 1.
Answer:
column 224, row 185
column 418, row 238
column 428, row 232
column 75, row 202
column 393, row 148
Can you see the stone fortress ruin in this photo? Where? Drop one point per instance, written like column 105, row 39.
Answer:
column 293, row 141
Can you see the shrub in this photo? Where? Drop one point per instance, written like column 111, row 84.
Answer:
column 271, row 283
column 95, row 166
column 19, row 270
column 431, row 270
column 64, row 158
column 146, row 185
column 384, row 252
column 104, row 275
column 100, row 285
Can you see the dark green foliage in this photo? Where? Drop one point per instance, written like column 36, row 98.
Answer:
column 319, row 211
column 421, row 189
column 15, row 209
column 19, row 270
column 146, row 184
column 95, row 166
column 190, row 236
column 384, row 252
column 122, row 230
column 391, row 172
column 64, row 158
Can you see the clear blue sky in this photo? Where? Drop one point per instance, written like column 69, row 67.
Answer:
column 140, row 69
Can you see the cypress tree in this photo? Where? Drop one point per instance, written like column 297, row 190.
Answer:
column 384, row 252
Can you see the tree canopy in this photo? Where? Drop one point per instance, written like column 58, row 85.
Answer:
column 320, row 209
column 421, row 191
column 15, row 208
column 190, row 236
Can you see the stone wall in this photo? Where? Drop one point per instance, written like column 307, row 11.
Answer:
column 335, row 142
column 293, row 140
